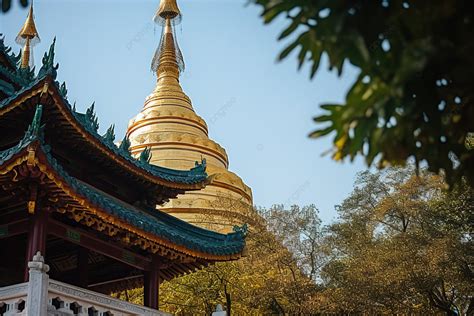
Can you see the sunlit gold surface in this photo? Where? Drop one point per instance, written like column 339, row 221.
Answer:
column 178, row 137
column 168, row 8
column 28, row 36
column 29, row 28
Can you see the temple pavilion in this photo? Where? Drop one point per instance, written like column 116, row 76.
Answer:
column 79, row 209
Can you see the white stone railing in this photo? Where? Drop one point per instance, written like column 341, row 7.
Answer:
column 65, row 299
column 44, row 297
column 13, row 299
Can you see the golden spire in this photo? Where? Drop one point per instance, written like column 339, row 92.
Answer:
column 168, row 60
column 177, row 137
column 28, row 37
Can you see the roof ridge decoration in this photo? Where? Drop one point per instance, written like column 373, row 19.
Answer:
column 145, row 156
column 109, row 135
column 241, row 230
column 124, row 147
column 48, row 67
column 91, row 117
column 158, row 224
column 12, row 58
column 63, row 90
column 20, row 76
column 89, row 121
column 35, row 129
column 34, row 132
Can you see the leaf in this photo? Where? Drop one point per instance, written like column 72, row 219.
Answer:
column 6, row 5
column 272, row 12
column 321, row 132
column 288, row 50
column 302, row 57
column 322, row 118
column 292, row 27
column 316, row 58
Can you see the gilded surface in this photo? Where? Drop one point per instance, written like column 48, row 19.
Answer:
column 178, row 137
column 168, row 10
column 28, row 37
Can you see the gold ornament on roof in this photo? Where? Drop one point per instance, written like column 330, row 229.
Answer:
column 28, row 37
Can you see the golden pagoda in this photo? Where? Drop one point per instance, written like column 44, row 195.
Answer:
column 177, row 137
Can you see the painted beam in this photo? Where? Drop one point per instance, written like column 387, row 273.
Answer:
column 89, row 241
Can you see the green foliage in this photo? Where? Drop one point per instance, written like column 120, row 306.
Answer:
column 300, row 231
column 413, row 96
column 264, row 281
column 403, row 245
column 6, row 4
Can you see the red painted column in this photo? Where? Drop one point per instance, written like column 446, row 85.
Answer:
column 152, row 285
column 36, row 237
column 151, row 288
column 83, row 267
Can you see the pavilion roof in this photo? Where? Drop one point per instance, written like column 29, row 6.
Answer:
column 85, row 125
column 152, row 230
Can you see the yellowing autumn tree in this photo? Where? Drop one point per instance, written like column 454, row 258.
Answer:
column 403, row 245
column 267, row 281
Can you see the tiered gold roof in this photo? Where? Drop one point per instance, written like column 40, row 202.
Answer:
column 178, row 137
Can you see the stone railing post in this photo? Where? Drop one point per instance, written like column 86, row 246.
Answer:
column 219, row 311
column 37, row 299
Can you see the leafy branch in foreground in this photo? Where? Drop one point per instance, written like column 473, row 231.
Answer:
column 6, row 4
column 413, row 96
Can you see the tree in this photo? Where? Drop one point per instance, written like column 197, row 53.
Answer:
column 413, row 96
column 299, row 229
column 403, row 245
column 6, row 4
column 266, row 281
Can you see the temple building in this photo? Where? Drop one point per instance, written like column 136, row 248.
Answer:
column 82, row 217
column 176, row 136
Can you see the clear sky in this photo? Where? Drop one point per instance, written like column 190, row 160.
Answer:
column 259, row 110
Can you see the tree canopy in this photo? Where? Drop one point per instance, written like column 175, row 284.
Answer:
column 7, row 4
column 402, row 245
column 267, row 281
column 413, row 96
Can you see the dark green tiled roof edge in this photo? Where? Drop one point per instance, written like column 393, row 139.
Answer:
column 195, row 175
column 155, row 222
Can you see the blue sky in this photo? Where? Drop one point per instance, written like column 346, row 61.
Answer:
column 259, row 110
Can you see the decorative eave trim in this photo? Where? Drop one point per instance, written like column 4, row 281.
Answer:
column 47, row 86
column 40, row 160
column 182, row 146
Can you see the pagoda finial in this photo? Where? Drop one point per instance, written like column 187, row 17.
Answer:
column 28, row 37
column 168, row 61
column 168, row 10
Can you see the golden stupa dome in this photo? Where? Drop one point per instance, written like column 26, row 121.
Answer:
column 178, row 137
